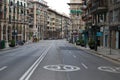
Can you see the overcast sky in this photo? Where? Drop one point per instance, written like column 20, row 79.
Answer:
column 59, row 5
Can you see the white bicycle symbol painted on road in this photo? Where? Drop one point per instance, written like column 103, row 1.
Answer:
column 61, row 67
column 109, row 69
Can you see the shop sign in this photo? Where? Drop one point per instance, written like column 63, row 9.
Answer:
column 99, row 34
column 76, row 11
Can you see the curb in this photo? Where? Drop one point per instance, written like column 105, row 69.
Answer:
column 105, row 56
column 9, row 48
column 97, row 53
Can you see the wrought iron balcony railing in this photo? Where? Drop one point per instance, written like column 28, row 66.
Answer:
column 99, row 6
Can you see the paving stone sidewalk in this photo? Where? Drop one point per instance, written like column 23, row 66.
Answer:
column 8, row 48
column 114, row 54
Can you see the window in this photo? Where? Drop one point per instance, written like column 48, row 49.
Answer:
column 9, row 18
column 116, row 15
column 111, row 16
column 14, row 10
column 5, row 10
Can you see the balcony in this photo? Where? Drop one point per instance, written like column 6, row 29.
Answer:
column 86, row 17
column 99, row 6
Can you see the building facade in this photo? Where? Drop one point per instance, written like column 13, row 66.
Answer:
column 13, row 20
column 58, row 24
column 76, row 18
column 103, row 17
column 51, row 24
column 24, row 20
column 66, row 27
column 114, row 23
column 38, row 19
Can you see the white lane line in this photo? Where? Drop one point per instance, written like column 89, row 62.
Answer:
column 74, row 56
column 30, row 71
column 84, row 66
column 1, row 69
column 70, row 52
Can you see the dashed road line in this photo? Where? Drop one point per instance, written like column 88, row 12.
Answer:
column 84, row 66
column 3, row 68
column 74, row 56
column 70, row 52
column 30, row 71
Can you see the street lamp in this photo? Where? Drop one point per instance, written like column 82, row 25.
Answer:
column 95, row 36
column 14, row 32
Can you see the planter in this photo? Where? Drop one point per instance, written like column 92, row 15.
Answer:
column 77, row 43
column 91, row 44
column 82, row 44
column 12, row 45
column 92, row 47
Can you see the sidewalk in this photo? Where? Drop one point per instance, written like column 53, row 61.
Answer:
column 10, row 48
column 114, row 55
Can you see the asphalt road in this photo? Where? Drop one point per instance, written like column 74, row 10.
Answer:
column 55, row 60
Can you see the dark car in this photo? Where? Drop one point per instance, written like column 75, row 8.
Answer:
column 20, row 42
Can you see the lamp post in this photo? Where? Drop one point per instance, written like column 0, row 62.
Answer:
column 95, row 39
column 110, row 42
column 95, row 36
column 14, row 32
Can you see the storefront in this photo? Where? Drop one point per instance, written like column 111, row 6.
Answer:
column 115, row 37
column 105, row 36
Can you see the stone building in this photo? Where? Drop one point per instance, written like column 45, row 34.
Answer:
column 57, row 24
column 37, row 18
column 13, row 20
column 103, row 16
column 27, row 19
column 95, row 15
column 114, row 23
column 76, row 19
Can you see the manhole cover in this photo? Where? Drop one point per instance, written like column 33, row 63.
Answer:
column 62, row 68
column 109, row 69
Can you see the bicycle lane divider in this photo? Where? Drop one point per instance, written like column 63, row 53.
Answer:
column 3, row 68
column 30, row 71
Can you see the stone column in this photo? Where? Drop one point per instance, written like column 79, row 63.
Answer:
column 7, row 35
column 22, row 32
column 25, row 33
column 1, row 31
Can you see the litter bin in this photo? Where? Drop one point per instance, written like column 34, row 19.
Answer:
column 2, row 44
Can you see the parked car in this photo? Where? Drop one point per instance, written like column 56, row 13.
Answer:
column 70, row 41
column 20, row 42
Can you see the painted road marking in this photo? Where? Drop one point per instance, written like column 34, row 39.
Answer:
column 109, row 69
column 3, row 68
column 84, row 66
column 70, row 52
column 74, row 56
column 30, row 71
column 61, row 68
